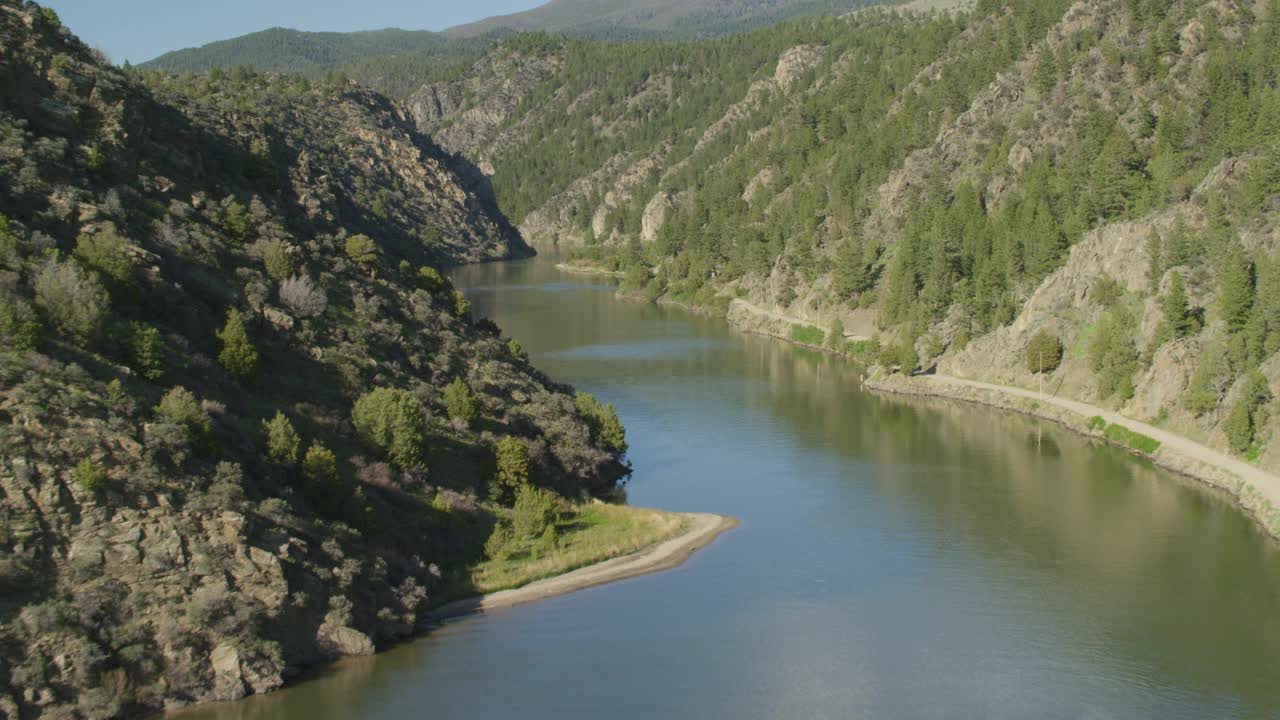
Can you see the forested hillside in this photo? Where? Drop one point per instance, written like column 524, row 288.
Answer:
column 397, row 62
column 245, row 423
column 941, row 188
column 641, row 19
column 394, row 62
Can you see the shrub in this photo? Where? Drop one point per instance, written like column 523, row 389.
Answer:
column 1044, row 352
column 238, row 355
column 89, row 475
column 460, row 402
column 96, row 161
column 277, row 261
column 1248, row 414
column 392, row 421
column 1239, row 427
column 500, row 542
column 73, row 301
column 1107, row 291
column 19, row 326
column 807, row 335
column 516, row 349
column 430, row 236
column 534, row 512
column 9, row 255
column 180, row 407
column 461, row 305
column 108, row 254
column 903, row 358
column 235, row 220
column 432, row 280
column 362, row 250
column 302, row 298
column 147, row 349
column 116, row 395
column 512, row 457
column 48, row 17
column 1097, row 423
column 1124, row 436
column 283, row 442
column 835, row 336
column 602, row 420
column 324, row 484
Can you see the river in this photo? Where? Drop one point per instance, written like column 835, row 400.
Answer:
column 896, row 558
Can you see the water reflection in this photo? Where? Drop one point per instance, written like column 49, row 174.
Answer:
column 898, row 557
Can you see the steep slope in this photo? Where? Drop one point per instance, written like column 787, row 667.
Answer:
column 237, row 436
column 927, row 181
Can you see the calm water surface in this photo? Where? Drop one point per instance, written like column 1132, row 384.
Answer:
column 896, row 559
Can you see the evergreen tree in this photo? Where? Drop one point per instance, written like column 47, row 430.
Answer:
column 1046, row 70
column 284, row 445
column 511, row 456
column 1044, row 352
column 1155, row 261
column 1235, row 288
column 238, row 356
column 1177, row 309
column 1119, row 176
column 392, row 421
column 460, row 402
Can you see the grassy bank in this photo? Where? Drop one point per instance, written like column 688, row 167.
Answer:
column 584, row 535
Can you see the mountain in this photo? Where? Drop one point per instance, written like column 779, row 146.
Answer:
column 397, row 62
column 391, row 61
column 668, row 19
column 932, row 191
column 245, row 423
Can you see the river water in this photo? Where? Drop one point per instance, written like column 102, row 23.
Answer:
column 896, row 558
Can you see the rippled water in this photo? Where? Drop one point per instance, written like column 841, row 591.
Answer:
column 896, row 558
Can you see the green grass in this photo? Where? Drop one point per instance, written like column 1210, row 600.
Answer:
column 1124, row 436
column 588, row 534
column 1097, row 423
column 808, row 335
column 857, row 347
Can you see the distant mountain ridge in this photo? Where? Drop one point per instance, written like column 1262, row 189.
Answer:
column 398, row 61
column 632, row 19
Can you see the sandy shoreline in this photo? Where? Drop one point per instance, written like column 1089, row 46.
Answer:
column 704, row 529
column 1251, row 488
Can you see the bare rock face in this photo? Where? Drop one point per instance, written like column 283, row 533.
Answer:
column 1162, row 386
column 464, row 115
column 794, row 62
column 655, row 213
column 342, row 641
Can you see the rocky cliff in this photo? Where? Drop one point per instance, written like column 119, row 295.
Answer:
column 1072, row 167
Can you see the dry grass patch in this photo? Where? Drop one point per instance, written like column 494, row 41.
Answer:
column 587, row 535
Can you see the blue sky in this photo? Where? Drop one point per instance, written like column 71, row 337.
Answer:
column 138, row 30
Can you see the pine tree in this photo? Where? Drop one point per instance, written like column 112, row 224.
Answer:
column 1235, row 288
column 1177, row 309
column 1046, row 70
column 1119, row 177
column 238, row 356
column 1155, row 261
column 282, row 441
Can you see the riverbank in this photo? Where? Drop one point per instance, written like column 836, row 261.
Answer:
column 1254, row 490
column 580, row 269
column 699, row 531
